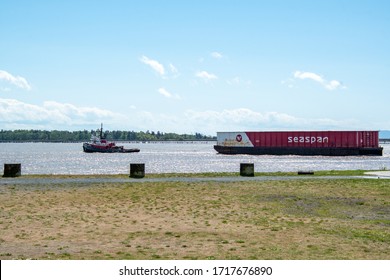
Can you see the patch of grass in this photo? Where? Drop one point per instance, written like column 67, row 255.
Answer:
column 286, row 219
column 202, row 175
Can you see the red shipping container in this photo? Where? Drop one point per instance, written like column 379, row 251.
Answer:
column 341, row 139
column 300, row 142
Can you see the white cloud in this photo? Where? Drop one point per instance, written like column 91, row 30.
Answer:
column 167, row 94
column 173, row 68
column 206, row 76
column 330, row 85
column 236, row 81
column 239, row 119
column 308, row 75
column 52, row 114
column 15, row 114
column 156, row 66
column 174, row 72
column 216, row 55
column 76, row 113
column 5, row 89
column 12, row 110
column 168, row 72
column 17, row 81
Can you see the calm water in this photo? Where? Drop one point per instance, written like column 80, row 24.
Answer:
column 68, row 158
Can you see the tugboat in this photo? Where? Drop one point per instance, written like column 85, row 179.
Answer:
column 101, row 145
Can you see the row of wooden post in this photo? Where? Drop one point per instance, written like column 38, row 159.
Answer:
column 137, row 170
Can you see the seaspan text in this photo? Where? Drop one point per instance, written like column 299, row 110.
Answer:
column 307, row 139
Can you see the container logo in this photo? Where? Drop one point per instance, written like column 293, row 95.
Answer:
column 307, row 139
column 239, row 137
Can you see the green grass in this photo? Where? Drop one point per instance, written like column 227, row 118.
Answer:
column 205, row 174
column 293, row 219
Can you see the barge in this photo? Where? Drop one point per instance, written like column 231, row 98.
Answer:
column 305, row 143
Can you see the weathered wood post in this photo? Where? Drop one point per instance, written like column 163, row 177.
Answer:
column 247, row 169
column 12, row 169
column 305, row 172
column 137, row 170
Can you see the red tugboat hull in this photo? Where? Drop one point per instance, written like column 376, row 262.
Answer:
column 89, row 148
column 99, row 144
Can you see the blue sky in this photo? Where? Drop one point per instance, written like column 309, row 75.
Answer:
column 195, row 66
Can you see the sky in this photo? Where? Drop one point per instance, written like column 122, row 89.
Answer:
column 195, row 66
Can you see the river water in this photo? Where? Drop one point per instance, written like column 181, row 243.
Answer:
column 168, row 157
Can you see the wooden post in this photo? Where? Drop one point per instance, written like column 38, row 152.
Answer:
column 12, row 169
column 137, row 170
column 247, row 169
column 307, row 172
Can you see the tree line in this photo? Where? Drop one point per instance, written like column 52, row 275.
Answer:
column 84, row 135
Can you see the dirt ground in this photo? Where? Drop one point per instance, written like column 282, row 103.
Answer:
column 299, row 219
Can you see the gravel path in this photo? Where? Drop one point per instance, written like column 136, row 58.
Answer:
column 380, row 174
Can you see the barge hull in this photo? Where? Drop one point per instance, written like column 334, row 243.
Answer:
column 299, row 151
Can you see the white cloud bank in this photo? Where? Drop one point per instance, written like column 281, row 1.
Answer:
column 239, row 119
column 15, row 114
column 52, row 115
column 17, row 81
column 246, row 119
column 329, row 85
